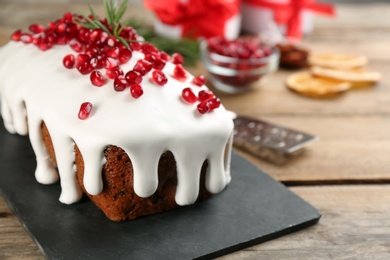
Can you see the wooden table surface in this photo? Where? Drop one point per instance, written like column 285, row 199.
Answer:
column 346, row 174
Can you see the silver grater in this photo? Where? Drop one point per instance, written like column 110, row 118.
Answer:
column 268, row 141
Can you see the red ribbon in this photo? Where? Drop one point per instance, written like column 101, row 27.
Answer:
column 289, row 14
column 198, row 18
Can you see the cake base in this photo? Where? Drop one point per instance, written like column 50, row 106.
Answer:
column 253, row 209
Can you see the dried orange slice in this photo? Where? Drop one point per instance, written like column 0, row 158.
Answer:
column 308, row 85
column 358, row 77
column 337, row 60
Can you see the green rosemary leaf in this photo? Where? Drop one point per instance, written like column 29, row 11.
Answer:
column 107, row 9
column 91, row 22
column 124, row 42
column 103, row 27
column 121, row 11
column 93, row 13
column 85, row 25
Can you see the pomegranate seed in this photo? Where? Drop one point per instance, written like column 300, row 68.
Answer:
column 136, row 91
column 94, row 35
column 151, row 57
column 85, row 110
column 147, row 65
column 26, row 38
column 111, row 41
column 139, row 67
column 159, row 64
column 203, row 107
column 214, row 103
column 205, row 95
column 84, row 68
column 114, row 72
column 188, row 96
column 36, row 28
column 148, row 48
column 199, row 80
column 51, row 25
column 94, row 62
column 113, row 52
column 133, row 77
column 179, row 73
column 82, row 58
column 68, row 17
column 97, row 78
column 124, row 56
column 83, row 35
column 16, row 35
column 45, row 46
column 135, row 46
column 109, row 63
column 61, row 28
column 120, row 83
column 159, row 77
column 76, row 45
column 37, row 40
column 164, row 56
column 69, row 61
column 177, row 58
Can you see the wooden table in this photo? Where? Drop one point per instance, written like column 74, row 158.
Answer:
column 346, row 174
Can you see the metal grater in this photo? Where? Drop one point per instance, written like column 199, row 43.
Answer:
column 268, row 141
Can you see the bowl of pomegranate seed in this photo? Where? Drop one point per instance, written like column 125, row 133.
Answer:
column 237, row 65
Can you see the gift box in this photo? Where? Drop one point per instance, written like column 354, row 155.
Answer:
column 292, row 18
column 196, row 18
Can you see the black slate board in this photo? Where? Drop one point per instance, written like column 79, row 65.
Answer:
column 253, row 209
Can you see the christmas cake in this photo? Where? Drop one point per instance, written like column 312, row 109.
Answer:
column 114, row 117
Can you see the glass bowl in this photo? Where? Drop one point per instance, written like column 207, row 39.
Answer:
column 235, row 74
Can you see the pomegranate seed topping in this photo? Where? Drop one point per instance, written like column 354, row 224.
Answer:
column 94, row 62
column 214, row 103
column 97, row 78
column 133, row 77
column 36, row 28
column 76, row 45
column 26, row 38
column 148, row 48
column 45, row 46
column 82, row 58
column 147, row 65
column 139, row 67
column 16, row 35
column 136, row 91
column 164, row 56
column 111, row 41
column 114, row 72
column 159, row 77
column 85, row 110
column 120, row 83
column 84, row 68
column 113, row 52
column 179, row 73
column 124, row 56
column 135, row 46
column 83, row 35
column 159, row 64
column 109, row 63
column 205, row 95
column 61, row 28
column 68, row 17
column 203, row 107
column 151, row 57
column 189, row 96
column 94, row 35
column 177, row 58
column 199, row 80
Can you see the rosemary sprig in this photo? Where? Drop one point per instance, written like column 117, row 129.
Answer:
column 114, row 14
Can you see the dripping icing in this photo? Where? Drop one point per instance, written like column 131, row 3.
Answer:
column 156, row 122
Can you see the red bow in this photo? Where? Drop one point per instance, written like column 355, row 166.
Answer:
column 290, row 13
column 198, row 18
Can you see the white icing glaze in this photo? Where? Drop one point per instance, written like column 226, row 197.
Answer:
column 35, row 85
